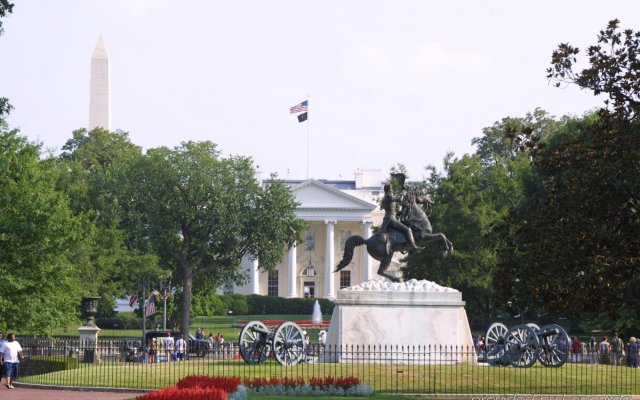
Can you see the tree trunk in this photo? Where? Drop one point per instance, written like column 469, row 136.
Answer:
column 187, row 284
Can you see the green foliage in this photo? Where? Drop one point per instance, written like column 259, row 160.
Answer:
column 260, row 305
column 39, row 239
column 93, row 172
column 38, row 365
column 202, row 214
column 208, row 304
column 5, row 8
column 122, row 320
column 575, row 248
column 474, row 196
column 236, row 303
column 614, row 64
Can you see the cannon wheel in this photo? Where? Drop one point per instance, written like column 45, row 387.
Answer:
column 253, row 343
column 534, row 326
column 555, row 345
column 494, row 343
column 288, row 344
column 521, row 346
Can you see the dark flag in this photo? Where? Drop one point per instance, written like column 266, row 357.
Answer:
column 133, row 300
column 302, row 117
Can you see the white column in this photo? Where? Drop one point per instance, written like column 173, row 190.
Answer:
column 292, row 270
column 329, row 287
column 254, row 276
column 366, row 258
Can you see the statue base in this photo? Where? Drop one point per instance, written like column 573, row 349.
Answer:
column 416, row 321
column 89, row 343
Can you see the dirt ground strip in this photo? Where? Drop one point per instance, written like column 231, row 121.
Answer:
column 34, row 392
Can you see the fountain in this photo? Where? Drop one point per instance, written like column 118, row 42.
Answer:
column 317, row 314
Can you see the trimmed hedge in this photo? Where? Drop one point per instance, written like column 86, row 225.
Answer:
column 260, row 305
column 37, row 365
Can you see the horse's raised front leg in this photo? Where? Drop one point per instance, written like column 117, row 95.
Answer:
column 382, row 271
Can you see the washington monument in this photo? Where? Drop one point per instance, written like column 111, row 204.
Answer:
column 100, row 88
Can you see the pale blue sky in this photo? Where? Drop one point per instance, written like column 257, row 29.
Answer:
column 394, row 81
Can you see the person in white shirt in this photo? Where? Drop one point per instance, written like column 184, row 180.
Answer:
column 168, row 346
column 181, row 348
column 11, row 352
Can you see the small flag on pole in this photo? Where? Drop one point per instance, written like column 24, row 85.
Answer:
column 133, row 300
column 150, row 307
column 302, row 117
column 304, row 106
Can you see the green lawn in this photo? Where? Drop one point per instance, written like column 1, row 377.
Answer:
column 215, row 325
column 456, row 378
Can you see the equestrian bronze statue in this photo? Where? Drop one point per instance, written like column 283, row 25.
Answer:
column 399, row 230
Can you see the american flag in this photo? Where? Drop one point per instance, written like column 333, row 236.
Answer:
column 133, row 300
column 304, row 106
column 150, row 307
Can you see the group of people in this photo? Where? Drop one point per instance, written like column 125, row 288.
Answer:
column 10, row 357
column 607, row 351
column 174, row 349
column 217, row 341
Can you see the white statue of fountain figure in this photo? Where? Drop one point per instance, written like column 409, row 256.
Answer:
column 317, row 314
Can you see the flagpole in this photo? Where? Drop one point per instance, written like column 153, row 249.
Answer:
column 308, row 142
column 164, row 316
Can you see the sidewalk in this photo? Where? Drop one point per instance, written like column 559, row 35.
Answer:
column 30, row 393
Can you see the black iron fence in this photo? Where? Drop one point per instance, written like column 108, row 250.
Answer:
column 406, row 369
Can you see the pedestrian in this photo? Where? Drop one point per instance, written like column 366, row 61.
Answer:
column 168, row 346
column 617, row 349
column 181, row 348
column 604, row 348
column 11, row 353
column 153, row 348
column 633, row 353
column 2, row 342
column 576, row 349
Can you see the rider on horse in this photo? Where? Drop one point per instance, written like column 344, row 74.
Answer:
column 390, row 220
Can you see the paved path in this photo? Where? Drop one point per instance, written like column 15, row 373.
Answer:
column 29, row 393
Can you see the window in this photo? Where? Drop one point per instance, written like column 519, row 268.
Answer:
column 272, row 287
column 345, row 279
column 310, row 240
column 309, row 290
column 344, row 235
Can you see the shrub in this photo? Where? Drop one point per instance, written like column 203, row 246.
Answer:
column 37, row 365
column 278, row 305
column 236, row 303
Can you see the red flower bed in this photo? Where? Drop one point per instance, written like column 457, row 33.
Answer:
column 228, row 384
column 322, row 383
column 193, row 393
column 273, row 381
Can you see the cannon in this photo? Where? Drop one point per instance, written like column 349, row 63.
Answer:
column 286, row 343
column 523, row 345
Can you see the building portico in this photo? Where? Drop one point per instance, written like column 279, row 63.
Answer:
column 307, row 271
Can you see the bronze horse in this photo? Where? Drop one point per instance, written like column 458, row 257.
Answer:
column 381, row 246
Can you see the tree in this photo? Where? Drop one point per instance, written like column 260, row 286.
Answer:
column 613, row 70
column 39, row 236
column 5, row 8
column 575, row 248
column 202, row 213
column 94, row 168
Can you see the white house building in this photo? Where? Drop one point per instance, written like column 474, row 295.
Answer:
column 334, row 210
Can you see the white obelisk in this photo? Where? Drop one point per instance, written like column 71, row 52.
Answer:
column 100, row 88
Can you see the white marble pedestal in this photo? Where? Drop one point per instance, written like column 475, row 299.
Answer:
column 416, row 321
column 89, row 343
